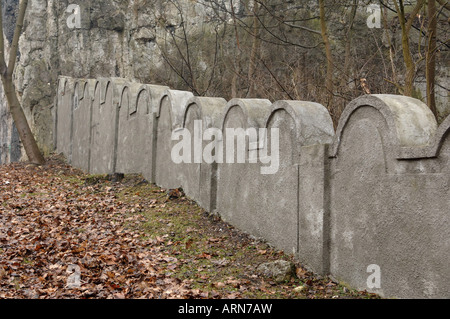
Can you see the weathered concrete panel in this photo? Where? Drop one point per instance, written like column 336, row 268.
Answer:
column 238, row 185
column 135, row 131
column 277, row 194
column 382, row 212
column 313, row 202
column 293, row 217
column 81, row 134
column 309, row 134
column 64, row 118
column 169, row 117
column 104, row 123
column 156, row 92
column 268, row 205
column 198, row 178
column 442, row 146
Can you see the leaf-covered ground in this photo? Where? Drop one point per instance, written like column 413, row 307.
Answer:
column 128, row 239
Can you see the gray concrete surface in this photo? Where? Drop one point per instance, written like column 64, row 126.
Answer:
column 135, row 128
column 81, row 127
column 199, row 178
column 63, row 125
column 169, row 117
column 237, row 183
column 103, row 128
column 385, row 211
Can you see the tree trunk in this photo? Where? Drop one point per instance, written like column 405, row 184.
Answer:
column 6, row 71
column 407, row 57
column 348, row 42
column 431, row 56
column 254, row 51
column 19, row 118
column 410, row 66
column 330, row 63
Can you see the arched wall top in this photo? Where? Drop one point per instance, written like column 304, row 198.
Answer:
column 142, row 89
column 125, row 90
column 211, row 110
column 91, row 85
column 65, row 84
column 255, row 111
column 410, row 122
column 412, row 128
column 64, row 91
column 133, row 90
column 62, row 82
column 101, row 85
column 441, row 134
column 117, row 85
column 433, row 149
column 96, row 90
column 155, row 93
column 81, row 85
column 178, row 103
column 76, row 90
column 76, row 94
column 312, row 120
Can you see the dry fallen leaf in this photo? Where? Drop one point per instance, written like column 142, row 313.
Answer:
column 219, row 285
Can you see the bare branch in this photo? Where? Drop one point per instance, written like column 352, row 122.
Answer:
column 444, row 4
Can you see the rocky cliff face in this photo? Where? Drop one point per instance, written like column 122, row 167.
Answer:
column 10, row 148
column 113, row 39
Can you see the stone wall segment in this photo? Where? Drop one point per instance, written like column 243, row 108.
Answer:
column 199, row 178
column 385, row 211
column 169, row 117
column 237, row 185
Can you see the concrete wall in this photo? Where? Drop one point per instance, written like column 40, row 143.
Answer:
column 64, row 115
column 375, row 192
column 389, row 204
column 169, row 117
column 237, row 183
column 199, row 178
column 135, row 130
column 81, row 126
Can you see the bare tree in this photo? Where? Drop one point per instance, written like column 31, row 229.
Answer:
column 406, row 25
column 300, row 50
column 330, row 64
column 6, row 72
column 431, row 55
column 254, row 51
